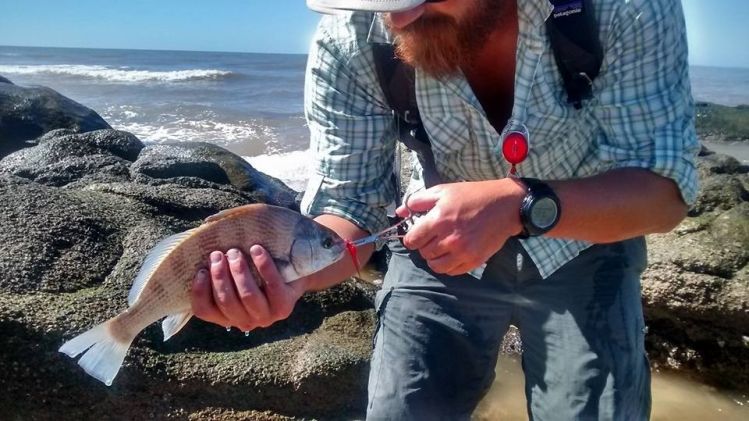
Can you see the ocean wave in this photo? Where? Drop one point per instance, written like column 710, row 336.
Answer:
column 117, row 74
column 198, row 131
column 291, row 167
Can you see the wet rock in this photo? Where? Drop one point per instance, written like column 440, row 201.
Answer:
column 61, row 158
column 51, row 241
column 28, row 112
column 696, row 287
column 214, row 164
column 723, row 122
column 723, row 183
column 78, row 214
column 79, row 211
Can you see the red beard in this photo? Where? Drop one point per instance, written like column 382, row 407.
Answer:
column 440, row 45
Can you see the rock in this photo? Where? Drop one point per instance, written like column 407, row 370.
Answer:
column 723, row 183
column 62, row 158
column 714, row 163
column 78, row 213
column 212, row 163
column 58, row 242
column 719, row 192
column 28, row 112
column 696, row 287
column 720, row 122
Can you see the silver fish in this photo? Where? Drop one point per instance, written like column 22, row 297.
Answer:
column 299, row 246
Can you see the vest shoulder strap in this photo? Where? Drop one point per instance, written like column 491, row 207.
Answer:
column 574, row 37
column 398, row 83
column 573, row 32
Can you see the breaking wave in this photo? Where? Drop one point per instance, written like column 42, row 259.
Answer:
column 117, row 74
column 199, row 131
column 291, row 167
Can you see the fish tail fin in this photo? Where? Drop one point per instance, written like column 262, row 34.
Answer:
column 104, row 354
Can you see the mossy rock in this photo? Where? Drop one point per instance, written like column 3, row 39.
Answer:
column 726, row 123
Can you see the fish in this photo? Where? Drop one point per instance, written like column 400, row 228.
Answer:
column 299, row 247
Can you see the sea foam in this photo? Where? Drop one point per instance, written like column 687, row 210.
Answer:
column 291, row 167
column 184, row 130
column 112, row 74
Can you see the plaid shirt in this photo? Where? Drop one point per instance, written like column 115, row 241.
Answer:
column 642, row 114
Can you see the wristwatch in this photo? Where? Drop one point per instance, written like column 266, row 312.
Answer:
column 540, row 210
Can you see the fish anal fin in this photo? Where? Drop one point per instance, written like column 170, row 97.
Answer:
column 152, row 261
column 174, row 323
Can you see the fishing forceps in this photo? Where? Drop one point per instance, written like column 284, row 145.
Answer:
column 394, row 231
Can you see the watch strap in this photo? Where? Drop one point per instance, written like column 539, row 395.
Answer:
column 535, row 189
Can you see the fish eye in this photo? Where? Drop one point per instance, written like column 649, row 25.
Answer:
column 327, row 243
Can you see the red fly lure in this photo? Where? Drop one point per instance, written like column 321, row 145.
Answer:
column 354, row 256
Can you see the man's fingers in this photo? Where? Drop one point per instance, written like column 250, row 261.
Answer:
column 224, row 291
column 281, row 297
column 433, row 249
column 229, row 294
column 249, row 294
column 460, row 270
column 423, row 232
column 202, row 303
column 444, row 264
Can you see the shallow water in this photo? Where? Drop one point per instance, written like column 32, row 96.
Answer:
column 674, row 398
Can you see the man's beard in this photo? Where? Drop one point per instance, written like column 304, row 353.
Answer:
column 440, row 45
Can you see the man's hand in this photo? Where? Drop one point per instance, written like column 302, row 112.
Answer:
column 466, row 223
column 229, row 295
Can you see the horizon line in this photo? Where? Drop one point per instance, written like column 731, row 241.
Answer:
column 153, row 49
column 738, row 67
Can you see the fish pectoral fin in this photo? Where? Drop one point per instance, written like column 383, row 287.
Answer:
column 174, row 323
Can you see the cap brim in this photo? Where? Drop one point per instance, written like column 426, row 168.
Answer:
column 331, row 6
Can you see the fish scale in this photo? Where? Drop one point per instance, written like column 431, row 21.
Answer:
column 298, row 245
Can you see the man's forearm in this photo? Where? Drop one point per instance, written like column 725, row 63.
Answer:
column 617, row 205
column 344, row 268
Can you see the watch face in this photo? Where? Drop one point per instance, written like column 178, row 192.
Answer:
column 544, row 213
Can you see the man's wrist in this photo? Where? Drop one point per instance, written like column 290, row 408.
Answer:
column 517, row 192
column 540, row 208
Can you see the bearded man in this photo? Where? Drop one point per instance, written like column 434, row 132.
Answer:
column 558, row 254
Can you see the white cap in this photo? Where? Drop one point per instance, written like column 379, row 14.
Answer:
column 331, row 6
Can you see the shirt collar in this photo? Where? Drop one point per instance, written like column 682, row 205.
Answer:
column 378, row 31
column 533, row 11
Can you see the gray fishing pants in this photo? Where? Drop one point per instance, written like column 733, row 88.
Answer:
column 582, row 329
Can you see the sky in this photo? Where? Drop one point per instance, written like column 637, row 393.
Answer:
column 718, row 30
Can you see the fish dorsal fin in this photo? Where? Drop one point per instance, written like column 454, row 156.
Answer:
column 226, row 213
column 153, row 260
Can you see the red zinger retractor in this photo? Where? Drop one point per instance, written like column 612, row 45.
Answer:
column 515, row 149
